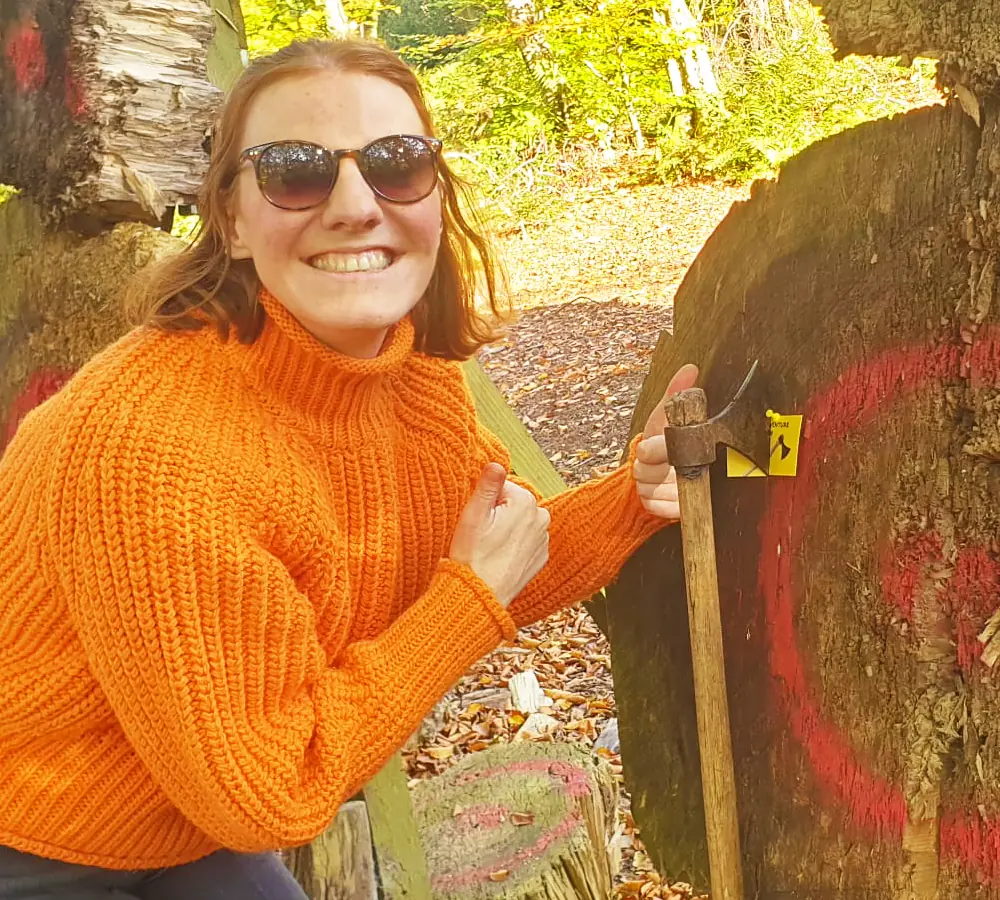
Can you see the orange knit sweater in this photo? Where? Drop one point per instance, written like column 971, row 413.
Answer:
column 223, row 597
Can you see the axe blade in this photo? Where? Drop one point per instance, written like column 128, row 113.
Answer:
column 743, row 424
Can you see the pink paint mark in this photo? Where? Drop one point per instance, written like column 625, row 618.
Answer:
column 876, row 807
column 469, row 877
column 41, row 385
column 25, row 52
column 569, row 779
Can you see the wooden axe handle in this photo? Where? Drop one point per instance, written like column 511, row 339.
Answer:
column 705, row 621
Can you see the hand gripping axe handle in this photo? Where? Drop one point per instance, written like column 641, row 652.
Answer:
column 692, row 439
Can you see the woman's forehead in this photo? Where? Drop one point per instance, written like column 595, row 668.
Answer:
column 337, row 109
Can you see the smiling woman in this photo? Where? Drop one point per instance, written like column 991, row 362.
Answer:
column 248, row 546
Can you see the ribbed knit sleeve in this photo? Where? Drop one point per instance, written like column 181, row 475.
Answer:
column 207, row 648
column 595, row 528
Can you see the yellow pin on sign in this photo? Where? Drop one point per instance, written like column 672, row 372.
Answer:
column 786, row 434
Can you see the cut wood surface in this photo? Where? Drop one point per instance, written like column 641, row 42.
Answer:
column 865, row 725
column 520, row 821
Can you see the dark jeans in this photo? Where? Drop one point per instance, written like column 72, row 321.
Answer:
column 221, row 876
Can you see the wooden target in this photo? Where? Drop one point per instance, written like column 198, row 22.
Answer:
column 520, row 821
column 866, row 725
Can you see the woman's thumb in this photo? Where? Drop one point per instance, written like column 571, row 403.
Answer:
column 487, row 491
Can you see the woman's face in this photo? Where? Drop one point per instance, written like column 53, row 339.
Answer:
column 355, row 265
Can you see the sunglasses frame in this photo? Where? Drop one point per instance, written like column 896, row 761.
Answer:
column 254, row 154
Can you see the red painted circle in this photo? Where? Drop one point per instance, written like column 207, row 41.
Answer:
column 564, row 777
column 864, row 392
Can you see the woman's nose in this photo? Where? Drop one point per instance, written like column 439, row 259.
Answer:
column 352, row 203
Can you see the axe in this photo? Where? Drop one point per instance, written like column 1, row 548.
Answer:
column 691, row 447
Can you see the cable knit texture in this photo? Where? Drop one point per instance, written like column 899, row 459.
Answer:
column 224, row 601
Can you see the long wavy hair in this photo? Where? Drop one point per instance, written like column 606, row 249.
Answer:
column 203, row 286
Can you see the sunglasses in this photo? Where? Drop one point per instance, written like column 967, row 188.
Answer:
column 400, row 168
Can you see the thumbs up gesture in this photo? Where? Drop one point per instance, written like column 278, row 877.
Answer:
column 655, row 478
column 502, row 534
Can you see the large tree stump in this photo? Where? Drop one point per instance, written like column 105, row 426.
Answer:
column 105, row 104
column 520, row 821
column 866, row 727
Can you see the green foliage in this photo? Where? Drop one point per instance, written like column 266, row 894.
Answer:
column 780, row 89
column 779, row 100
column 273, row 24
column 6, row 192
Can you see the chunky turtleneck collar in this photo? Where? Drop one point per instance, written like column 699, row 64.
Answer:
column 331, row 391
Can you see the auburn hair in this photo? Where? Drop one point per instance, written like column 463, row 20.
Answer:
column 204, row 286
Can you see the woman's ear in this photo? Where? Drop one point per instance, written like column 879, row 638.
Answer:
column 238, row 248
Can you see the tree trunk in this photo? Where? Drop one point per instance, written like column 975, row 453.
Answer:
column 865, row 724
column 963, row 35
column 339, row 864
column 105, row 104
column 520, row 821
column 59, row 301
column 697, row 62
column 337, row 22
column 538, row 57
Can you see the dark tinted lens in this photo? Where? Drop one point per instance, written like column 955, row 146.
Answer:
column 295, row 175
column 400, row 168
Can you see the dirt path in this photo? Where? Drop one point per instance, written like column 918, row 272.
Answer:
column 594, row 290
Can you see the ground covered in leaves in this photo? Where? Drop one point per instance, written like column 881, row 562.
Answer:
column 594, row 290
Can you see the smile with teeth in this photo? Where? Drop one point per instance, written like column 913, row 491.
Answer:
column 367, row 261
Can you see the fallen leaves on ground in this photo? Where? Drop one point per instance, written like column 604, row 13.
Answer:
column 594, row 291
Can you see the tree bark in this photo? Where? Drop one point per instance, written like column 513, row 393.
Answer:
column 337, row 22
column 59, row 301
column 864, row 721
column 105, row 104
column 697, row 62
column 520, row 821
column 963, row 36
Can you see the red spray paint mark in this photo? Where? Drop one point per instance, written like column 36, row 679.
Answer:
column 904, row 568
column 76, row 99
column 568, row 779
column 970, row 595
column 876, row 807
column 25, row 52
column 41, row 385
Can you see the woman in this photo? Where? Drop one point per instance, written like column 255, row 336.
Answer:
column 249, row 546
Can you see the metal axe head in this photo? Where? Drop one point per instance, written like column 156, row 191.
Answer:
column 742, row 425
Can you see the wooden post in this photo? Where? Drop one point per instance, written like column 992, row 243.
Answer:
column 399, row 853
column 705, row 624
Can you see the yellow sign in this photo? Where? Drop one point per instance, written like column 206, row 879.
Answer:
column 786, row 434
column 738, row 466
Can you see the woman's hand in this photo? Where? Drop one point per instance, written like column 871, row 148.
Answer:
column 502, row 534
column 655, row 478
